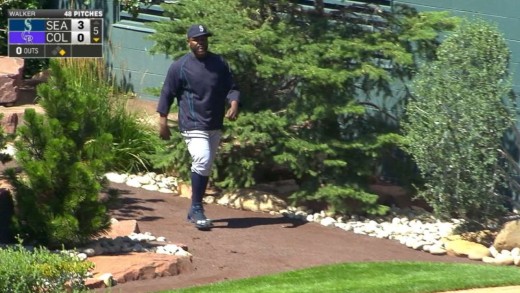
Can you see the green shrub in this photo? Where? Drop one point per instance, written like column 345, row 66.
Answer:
column 40, row 270
column 456, row 122
column 172, row 157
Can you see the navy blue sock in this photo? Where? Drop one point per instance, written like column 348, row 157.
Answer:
column 198, row 188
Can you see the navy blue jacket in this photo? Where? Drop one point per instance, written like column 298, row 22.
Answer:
column 202, row 87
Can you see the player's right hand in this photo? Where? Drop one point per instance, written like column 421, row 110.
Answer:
column 164, row 132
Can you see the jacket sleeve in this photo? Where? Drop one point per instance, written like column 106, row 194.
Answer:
column 170, row 90
column 234, row 92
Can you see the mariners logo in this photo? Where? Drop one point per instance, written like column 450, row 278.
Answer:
column 26, row 34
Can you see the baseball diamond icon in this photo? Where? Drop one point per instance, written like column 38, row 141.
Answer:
column 58, row 50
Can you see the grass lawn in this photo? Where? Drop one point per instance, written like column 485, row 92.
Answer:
column 374, row 277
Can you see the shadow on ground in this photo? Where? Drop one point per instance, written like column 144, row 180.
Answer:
column 131, row 208
column 241, row 223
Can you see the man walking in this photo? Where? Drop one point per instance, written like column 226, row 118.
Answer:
column 202, row 82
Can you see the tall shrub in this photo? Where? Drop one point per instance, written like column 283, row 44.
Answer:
column 456, row 122
column 62, row 154
column 301, row 72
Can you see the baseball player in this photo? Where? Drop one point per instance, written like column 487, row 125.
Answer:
column 203, row 84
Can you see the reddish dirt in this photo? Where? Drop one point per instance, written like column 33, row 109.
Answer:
column 245, row 244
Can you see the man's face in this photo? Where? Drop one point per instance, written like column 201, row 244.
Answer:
column 199, row 46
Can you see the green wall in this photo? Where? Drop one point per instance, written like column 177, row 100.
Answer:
column 130, row 61
column 505, row 14
column 128, row 52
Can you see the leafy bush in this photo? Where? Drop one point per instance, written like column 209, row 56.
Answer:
column 301, row 73
column 456, row 122
column 40, row 270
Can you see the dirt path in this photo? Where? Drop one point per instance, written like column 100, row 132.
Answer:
column 245, row 244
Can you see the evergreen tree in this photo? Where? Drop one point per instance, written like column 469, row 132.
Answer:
column 62, row 155
column 301, row 73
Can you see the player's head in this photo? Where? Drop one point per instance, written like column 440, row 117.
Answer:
column 198, row 40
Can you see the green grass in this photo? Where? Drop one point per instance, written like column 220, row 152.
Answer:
column 384, row 277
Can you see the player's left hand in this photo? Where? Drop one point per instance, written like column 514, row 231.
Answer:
column 232, row 112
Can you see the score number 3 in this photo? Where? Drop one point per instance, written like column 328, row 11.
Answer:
column 80, row 31
column 81, row 25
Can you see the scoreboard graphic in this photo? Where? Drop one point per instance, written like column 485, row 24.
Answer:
column 53, row 33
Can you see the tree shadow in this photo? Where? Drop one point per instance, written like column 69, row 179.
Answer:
column 130, row 208
column 242, row 223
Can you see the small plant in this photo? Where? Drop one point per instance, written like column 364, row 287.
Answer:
column 456, row 123
column 40, row 270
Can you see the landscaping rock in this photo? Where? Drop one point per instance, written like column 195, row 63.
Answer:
column 252, row 200
column 509, row 237
column 494, row 252
column 116, row 178
column 437, row 250
column 504, row 260
column 184, row 189
column 135, row 266
column 121, row 228
column 107, row 279
column 11, row 70
column 461, row 247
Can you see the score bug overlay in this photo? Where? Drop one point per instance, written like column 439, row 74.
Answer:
column 50, row 33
